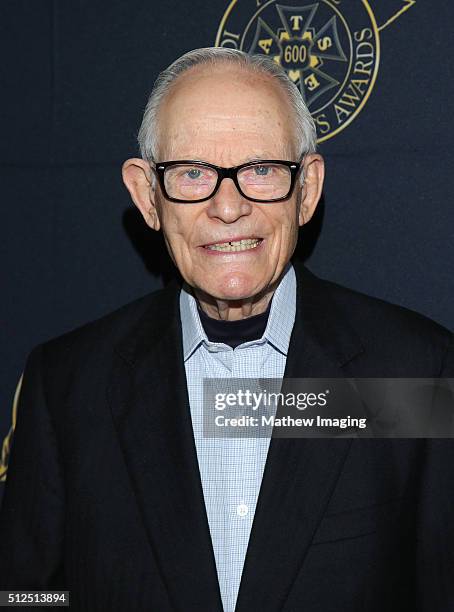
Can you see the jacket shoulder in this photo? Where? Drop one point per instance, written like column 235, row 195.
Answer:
column 402, row 341
column 367, row 312
column 102, row 334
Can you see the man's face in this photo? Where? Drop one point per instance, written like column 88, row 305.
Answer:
column 228, row 117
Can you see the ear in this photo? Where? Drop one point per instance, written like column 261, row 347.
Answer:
column 314, row 174
column 137, row 176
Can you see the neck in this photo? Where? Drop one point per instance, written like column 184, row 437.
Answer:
column 234, row 310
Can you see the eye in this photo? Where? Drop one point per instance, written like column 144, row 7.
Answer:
column 262, row 170
column 194, row 173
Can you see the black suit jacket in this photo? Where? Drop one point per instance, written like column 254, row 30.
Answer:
column 104, row 497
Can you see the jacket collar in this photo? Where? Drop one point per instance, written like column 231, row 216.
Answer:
column 322, row 336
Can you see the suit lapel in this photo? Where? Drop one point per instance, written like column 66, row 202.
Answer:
column 300, row 474
column 150, row 408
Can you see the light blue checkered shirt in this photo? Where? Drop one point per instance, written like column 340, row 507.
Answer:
column 231, row 469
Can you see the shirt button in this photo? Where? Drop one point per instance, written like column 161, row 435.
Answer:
column 242, row 510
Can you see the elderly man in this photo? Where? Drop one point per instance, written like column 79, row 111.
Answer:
column 114, row 492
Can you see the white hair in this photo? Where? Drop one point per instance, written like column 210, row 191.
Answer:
column 306, row 136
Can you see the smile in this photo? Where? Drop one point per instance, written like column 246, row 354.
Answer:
column 235, row 246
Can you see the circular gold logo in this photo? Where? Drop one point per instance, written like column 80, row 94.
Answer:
column 330, row 49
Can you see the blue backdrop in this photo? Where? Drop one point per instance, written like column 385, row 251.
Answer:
column 75, row 78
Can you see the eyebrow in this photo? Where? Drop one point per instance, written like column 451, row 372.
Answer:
column 264, row 156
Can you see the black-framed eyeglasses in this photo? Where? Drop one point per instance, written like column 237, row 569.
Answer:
column 189, row 181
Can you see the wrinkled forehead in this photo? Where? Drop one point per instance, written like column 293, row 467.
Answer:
column 225, row 105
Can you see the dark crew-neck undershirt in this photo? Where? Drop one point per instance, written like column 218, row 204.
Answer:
column 234, row 333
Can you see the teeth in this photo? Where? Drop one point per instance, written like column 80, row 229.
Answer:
column 238, row 245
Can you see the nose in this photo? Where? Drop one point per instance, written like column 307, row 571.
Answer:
column 228, row 204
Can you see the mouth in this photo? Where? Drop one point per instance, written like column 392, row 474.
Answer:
column 235, row 246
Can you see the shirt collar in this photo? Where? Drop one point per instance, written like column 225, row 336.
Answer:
column 280, row 320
